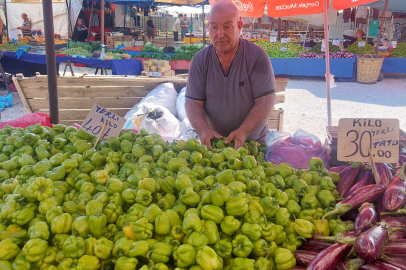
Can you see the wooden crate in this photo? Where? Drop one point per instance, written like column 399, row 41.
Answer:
column 118, row 94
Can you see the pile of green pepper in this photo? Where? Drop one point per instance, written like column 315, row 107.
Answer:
column 138, row 202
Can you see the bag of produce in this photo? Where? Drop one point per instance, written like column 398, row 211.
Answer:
column 156, row 119
column 180, row 104
column 187, row 130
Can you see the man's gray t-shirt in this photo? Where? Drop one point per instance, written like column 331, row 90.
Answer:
column 230, row 97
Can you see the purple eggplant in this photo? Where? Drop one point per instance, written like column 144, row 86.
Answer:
column 363, row 195
column 366, row 217
column 384, row 173
column 369, row 244
column 402, row 159
column 314, row 246
column 304, row 257
column 367, row 178
column 350, row 264
column 350, row 215
column 329, row 258
column 398, row 225
column 349, row 179
column 395, row 247
column 398, row 258
column 344, row 171
column 395, row 194
column 387, row 265
column 337, row 169
column 368, row 267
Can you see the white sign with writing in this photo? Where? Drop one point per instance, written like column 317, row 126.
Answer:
column 99, row 120
column 139, row 43
column 323, row 48
column 272, row 39
column 283, row 49
column 394, row 44
column 359, row 138
column 336, row 42
column 361, row 43
column 284, row 40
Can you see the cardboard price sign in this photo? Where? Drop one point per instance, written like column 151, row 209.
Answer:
column 102, row 123
column 361, row 43
column 284, row 40
column 336, row 42
column 272, row 39
column 359, row 138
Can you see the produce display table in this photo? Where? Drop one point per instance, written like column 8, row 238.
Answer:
column 339, row 67
column 394, row 65
column 192, row 40
column 31, row 63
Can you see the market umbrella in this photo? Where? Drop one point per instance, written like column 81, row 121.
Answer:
column 283, row 8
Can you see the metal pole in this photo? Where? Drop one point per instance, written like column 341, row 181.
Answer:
column 166, row 29
column 5, row 14
column 204, row 25
column 102, row 21
column 125, row 13
column 327, row 63
column 51, row 60
column 90, row 20
column 381, row 26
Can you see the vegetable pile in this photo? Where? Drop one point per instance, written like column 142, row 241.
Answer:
column 274, row 49
column 353, row 48
column 399, row 51
column 323, row 55
column 77, row 51
column 81, row 45
column 332, row 48
column 375, row 238
column 138, row 202
column 11, row 47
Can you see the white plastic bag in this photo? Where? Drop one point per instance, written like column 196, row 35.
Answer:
column 187, row 130
column 156, row 119
column 180, row 104
column 165, row 95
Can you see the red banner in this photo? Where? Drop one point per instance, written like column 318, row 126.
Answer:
column 247, row 8
column 283, row 8
column 343, row 4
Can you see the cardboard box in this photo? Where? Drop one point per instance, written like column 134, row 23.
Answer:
column 110, row 42
column 128, row 38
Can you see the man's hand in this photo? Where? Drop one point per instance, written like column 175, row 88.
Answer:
column 19, row 27
column 238, row 136
column 207, row 135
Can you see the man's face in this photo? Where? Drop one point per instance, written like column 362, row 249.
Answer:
column 224, row 30
column 23, row 16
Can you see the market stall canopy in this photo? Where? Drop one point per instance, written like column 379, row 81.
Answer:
column 179, row 2
column 185, row 9
column 393, row 5
column 130, row 2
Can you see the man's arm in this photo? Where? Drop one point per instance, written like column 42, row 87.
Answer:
column 197, row 117
column 255, row 119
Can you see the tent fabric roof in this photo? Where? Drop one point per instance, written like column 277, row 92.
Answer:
column 393, row 5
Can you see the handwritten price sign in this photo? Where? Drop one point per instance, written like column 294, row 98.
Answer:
column 359, row 138
column 102, row 123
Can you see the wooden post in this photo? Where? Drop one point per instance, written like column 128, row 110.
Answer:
column 102, row 21
column 279, row 28
column 286, row 28
column 381, row 26
column 90, row 19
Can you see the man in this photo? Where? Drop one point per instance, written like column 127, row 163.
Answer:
column 176, row 27
column 150, row 26
column 311, row 34
column 184, row 24
column 231, row 85
column 26, row 28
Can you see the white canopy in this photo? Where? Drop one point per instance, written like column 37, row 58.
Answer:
column 184, row 9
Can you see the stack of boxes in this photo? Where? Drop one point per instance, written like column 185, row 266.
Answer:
column 114, row 41
column 157, row 68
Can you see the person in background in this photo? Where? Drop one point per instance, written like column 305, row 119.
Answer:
column 184, row 26
column 176, row 27
column 150, row 26
column 230, row 90
column 26, row 28
column 80, row 33
column 1, row 31
column 311, row 34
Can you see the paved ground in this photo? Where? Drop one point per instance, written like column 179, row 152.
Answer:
column 305, row 104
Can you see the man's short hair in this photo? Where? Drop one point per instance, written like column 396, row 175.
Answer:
column 24, row 14
column 223, row 6
column 184, row 15
column 180, row 15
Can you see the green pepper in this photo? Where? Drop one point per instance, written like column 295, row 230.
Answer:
column 23, row 216
column 192, row 223
column 160, row 252
column 81, row 226
column 326, row 183
column 322, row 227
column 293, row 208
column 340, row 228
column 177, row 232
column 74, row 247
column 284, row 259
column 292, row 195
column 252, row 231
column 293, row 241
column 30, row 139
column 87, row 262
column 103, row 248
column 307, row 177
column 267, row 190
column 61, row 223
column 242, row 246
column 213, row 213
column 97, row 224
column 8, row 249
column 304, row 228
column 167, row 202
column 126, row 263
column 142, row 229
column 309, row 201
column 300, row 187
column 208, row 259
column 162, row 224
column 9, row 185
column 209, row 228
column 243, row 264
column 254, row 188
column 137, row 248
column 264, row 264
column 216, row 159
column 281, row 197
column 21, row 264
column 219, row 194
column 315, row 178
column 230, row 225
column 39, row 230
column 70, row 164
column 284, row 170
column 335, row 177
column 35, row 249
column 225, row 177
column 189, row 197
column 314, row 190
column 176, row 163
column 183, row 181
column 198, row 240
column 270, row 206
column 316, row 164
column 332, row 223
column 237, row 205
column 185, row 256
column 326, row 199
column 229, row 153
column 143, row 197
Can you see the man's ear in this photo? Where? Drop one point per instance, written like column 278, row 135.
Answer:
column 239, row 23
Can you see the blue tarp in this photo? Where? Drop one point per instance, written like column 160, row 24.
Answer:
column 393, row 5
column 31, row 63
column 339, row 67
column 394, row 65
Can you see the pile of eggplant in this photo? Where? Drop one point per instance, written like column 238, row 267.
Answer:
column 377, row 208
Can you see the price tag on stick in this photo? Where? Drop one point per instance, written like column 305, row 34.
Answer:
column 336, row 42
column 361, row 138
column 361, row 43
column 284, row 40
column 283, row 49
column 102, row 123
column 272, row 39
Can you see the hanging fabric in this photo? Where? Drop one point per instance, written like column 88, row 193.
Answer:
column 347, row 15
column 362, row 12
column 374, row 28
column 354, row 10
